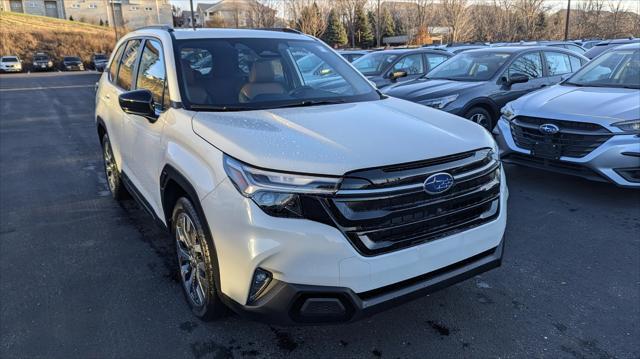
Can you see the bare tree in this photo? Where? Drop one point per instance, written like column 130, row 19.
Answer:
column 455, row 15
column 262, row 14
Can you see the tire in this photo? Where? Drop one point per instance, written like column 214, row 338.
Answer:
column 197, row 262
column 111, row 171
column 481, row 116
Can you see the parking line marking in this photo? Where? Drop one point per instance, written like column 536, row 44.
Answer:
column 45, row 88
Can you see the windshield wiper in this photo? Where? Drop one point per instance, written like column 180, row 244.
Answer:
column 305, row 103
column 198, row 107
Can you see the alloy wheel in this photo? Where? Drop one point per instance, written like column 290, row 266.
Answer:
column 480, row 119
column 110, row 167
column 191, row 260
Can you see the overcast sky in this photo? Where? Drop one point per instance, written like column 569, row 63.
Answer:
column 630, row 5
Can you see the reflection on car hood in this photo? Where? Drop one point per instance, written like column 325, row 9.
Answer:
column 334, row 139
column 602, row 104
column 424, row 89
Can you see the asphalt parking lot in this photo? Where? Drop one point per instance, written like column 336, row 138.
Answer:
column 81, row 276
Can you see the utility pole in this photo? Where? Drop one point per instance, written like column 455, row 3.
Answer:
column 566, row 21
column 193, row 21
column 113, row 18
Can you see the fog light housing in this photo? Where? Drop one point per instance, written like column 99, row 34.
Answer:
column 259, row 282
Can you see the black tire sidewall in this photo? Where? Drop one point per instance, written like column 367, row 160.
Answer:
column 213, row 307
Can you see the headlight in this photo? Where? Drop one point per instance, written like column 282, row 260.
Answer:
column 495, row 152
column 35, row 63
column 49, row 63
column 440, row 102
column 631, row 127
column 277, row 193
column 507, row 112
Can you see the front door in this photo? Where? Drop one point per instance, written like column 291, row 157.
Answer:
column 529, row 64
column 144, row 135
column 51, row 8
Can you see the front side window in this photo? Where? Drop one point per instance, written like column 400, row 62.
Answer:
column 125, row 72
column 113, row 67
column 527, row 64
column 576, row 63
column 250, row 74
column 435, row 60
column 616, row 68
column 557, row 63
column 152, row 73
column 374, row 63
column 411, row 64
column 470, row 66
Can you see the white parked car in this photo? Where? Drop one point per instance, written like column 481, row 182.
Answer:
column 294, row 201
column 10, row 64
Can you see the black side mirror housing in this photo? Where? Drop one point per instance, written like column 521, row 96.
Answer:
column 138, row 102
column 397, row 74
column 517, row 79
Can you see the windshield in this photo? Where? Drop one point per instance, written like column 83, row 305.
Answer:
column 374, row 63
column 41, row 58
column 250, row 74
column 616, row 68
column 100, row 57
column 9, row 59
column 70, row 59
column 470, row 66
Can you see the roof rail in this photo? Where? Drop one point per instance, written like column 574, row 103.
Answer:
column 156, row 27
column 281, row 29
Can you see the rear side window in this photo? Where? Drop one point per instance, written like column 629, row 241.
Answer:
column 125, row 72
column 152, row 73
column 113, row 67
column 557, row 63
column 527, row 64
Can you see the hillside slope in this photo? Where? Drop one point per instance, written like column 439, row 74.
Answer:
column 23, row 35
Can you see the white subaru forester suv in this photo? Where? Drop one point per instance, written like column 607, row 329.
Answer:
column 294, row 194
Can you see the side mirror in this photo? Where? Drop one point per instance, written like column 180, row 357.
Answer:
column 517, row 79
column 397, row 74
column 138, row 102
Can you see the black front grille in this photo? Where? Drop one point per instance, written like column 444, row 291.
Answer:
column 391, row 210
column 575, row 139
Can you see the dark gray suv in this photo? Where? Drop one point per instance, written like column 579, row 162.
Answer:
column 477, row 83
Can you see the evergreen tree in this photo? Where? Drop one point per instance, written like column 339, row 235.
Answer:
column 335, row 34
column 71, row 18
column 101, row 22
column 364, row 35
column 388, row 26
column 398, row 26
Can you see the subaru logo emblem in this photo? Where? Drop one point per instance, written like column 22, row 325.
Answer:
column 549, row 128
column 438, row 183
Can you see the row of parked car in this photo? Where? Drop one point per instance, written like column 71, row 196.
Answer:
column 43, row 62
column 549, row 105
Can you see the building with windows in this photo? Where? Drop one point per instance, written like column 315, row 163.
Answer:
column 235, row 13
column 130, row 14
column 51, row 8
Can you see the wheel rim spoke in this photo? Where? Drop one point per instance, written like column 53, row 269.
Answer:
column 191, row 260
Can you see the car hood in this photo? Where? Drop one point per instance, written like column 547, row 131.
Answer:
column 424, row 89
column 604, row 105
column 335, row 139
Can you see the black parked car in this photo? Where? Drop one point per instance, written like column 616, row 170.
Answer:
column 42, row 62
column 605, row 45
column 72, row 63
column 386, row 67
column 99, row 62
column 353, row 55
column 477, row 83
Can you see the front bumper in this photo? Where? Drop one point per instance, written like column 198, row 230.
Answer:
column 306, row 256
column 298, row 304
column 11, row 69
column 74, row 68
column 613, row 161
